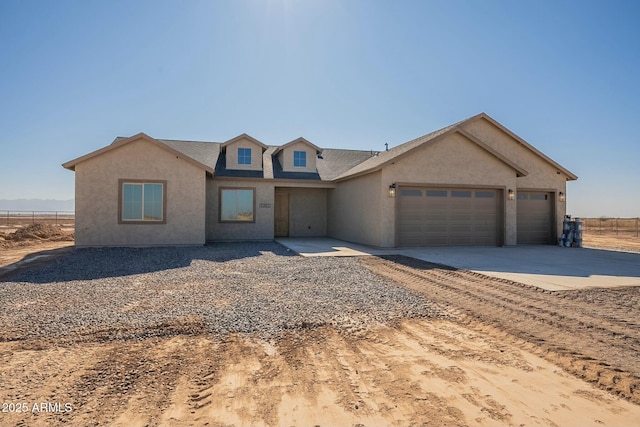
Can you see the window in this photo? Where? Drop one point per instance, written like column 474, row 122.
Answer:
column 410, row 192
column 436, row 193
column 237, row 204
column 485, row 195
column 244, row 156
column 539, row 197
column 300, row 159
column 460, row 193
column 142, row 201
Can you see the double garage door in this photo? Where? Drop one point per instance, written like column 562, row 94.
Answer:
column 430, row 216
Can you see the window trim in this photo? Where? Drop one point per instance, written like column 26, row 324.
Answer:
column 123, row 181
column 250, row 156
column 220, row 220
column 304, row 157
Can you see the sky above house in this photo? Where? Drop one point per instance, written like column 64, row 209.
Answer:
column 563, row 75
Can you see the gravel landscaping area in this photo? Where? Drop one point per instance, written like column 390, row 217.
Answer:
column 262, row 288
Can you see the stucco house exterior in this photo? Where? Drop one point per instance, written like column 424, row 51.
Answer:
column 471, row 183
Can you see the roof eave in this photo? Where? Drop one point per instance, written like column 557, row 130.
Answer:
column 300, row 139
column 72, row 163
column 519, row 170
column 115, row 144
column 379, row 166
column 570, row 175
column 456, row 129
column 244, row 136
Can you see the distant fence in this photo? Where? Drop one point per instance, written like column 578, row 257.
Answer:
column 622, row 226
column 20, row 218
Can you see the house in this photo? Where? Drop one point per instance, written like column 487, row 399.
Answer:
column 471, row 183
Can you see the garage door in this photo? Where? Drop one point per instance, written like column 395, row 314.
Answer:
column 447, row 217
column 535, row 218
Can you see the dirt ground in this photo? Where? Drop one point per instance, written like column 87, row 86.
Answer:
column 624, row 242
column 32, row 244
column 418, row 373
column 509, row 355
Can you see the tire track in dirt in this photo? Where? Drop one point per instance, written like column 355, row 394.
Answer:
column 131, row 378
column 538, row 308
column 596, row 342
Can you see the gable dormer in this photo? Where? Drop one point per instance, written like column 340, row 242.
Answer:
column 298, row 155
column 243, row 153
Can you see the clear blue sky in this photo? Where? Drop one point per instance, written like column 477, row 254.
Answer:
column 565, row 76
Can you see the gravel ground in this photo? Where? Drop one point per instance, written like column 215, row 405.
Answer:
column 262, row 288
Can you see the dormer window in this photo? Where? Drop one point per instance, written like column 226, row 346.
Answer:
column 300, row 159
column 244, row 156
column 297, row 156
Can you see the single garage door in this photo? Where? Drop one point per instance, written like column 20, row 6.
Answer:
column 448, row 217
column 535, row 218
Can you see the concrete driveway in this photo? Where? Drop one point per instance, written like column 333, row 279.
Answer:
column 549, row 267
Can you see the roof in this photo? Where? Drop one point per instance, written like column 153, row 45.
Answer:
column 296, row 141
column 119, row 142
column 221, row 170
column 332, row 165
column 485, row 116
column 386, row 157
column 204, row 152
column 278, row 173
column 335, row 162
column 244, row 136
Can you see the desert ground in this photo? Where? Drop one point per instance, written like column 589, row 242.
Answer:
column 247, row 334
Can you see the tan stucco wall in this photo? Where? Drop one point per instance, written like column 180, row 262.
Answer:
column 232, row 155
column 97, row 198
column 451, row 161
column 307, row 211
column 261, row 229
column 542, row 175
column 286, row 158
column 354, row 210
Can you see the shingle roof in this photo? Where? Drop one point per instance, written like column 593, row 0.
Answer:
column 204, row 152
column 119, row 142
column 278, row 173
column 333, row 165
column 221, row 170
column 334, row 161
column 386, row 156
column 244, row 136
column 295, row 141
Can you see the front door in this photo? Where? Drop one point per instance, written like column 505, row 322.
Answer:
column 281, row 214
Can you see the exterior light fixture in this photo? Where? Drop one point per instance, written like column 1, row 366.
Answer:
column 392, row 190
column 511, row 195
column 562, row 197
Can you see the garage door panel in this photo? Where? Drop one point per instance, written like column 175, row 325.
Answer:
column 435, row 219
column 447, row 217
column 411, row 220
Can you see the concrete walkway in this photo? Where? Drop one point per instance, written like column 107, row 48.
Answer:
column 549, row 267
